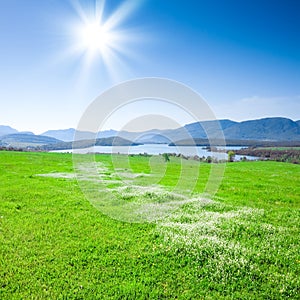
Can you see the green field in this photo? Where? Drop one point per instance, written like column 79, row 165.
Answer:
column 55, row 244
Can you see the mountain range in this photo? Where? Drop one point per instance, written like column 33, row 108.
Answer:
column 26, row 140
column 273, row 129
column 267, row 129
column 67, row 135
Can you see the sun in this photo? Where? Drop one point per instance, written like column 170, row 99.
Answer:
column 100, row 41
column 94, row 37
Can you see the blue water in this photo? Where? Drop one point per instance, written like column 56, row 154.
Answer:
column 156, row 149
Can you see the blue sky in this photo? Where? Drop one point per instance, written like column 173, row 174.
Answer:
column 243, row 57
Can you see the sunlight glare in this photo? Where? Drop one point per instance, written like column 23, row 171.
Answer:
column 95, row 37
column 99, row 39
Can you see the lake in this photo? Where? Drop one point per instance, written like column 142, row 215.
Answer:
column 156, row 149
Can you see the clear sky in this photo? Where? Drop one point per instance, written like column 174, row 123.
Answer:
column 243, row 57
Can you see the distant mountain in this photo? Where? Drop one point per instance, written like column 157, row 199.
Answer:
column 67, row 135
column 273, row 129
column 209, row 129
column 243, row 143
column 19, row 140
column 63, row 135
column 111, row 141
column 153, row 138
column 267, row 129
column 107, row 133
column 4, row 130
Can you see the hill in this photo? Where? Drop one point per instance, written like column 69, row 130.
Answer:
column 67, row 135
column 234, row 143
column 19, row 140
column 111, row 141
column 267, row 129
column 274, row 129
column 5, row 130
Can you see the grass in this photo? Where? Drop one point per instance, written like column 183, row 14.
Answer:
column 241, row 244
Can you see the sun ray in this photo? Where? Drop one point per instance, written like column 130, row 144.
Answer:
column 99, row 40
column 99, row 9
column 79, row 10
column 122, row 12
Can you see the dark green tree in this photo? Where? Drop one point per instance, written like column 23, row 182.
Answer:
column 166, row 157
column 231, row 156
column 209, row 159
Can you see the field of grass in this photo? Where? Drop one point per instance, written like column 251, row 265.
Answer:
column 242, row 243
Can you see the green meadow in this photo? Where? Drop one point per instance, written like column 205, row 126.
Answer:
column 143, row 228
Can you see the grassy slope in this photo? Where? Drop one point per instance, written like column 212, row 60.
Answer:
column 55, row 244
